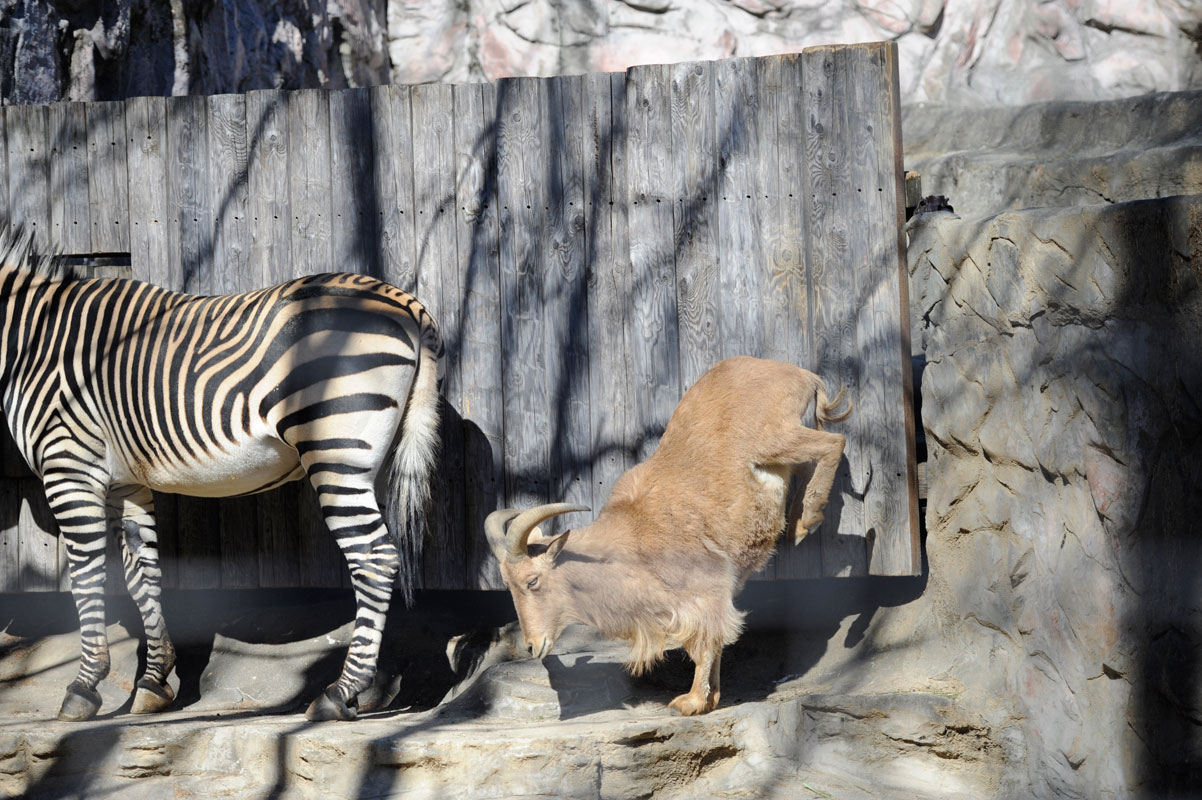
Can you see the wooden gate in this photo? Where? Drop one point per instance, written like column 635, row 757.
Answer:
column 589, row 245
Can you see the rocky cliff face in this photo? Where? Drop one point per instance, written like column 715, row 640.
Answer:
column 986, row 51
column 1062, row 402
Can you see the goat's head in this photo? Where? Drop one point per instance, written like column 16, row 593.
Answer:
column 528, row 571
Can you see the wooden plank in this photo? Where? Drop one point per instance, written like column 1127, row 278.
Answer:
column 146, row 160
column 228, row 181
column 565, row 303
column 653, row 349
column 69, row 216
column 744, row 199
column 198, row 526
column 437, row 263
column 783, row 283
column 357, row 201
column 190, row 260
column 108, row 182
column 393, row 140
column 190, row 208
column 238, row 535
column 480, row 401
column 5, row 207
column 521, row 190
column 319, row 561
column 268, row 208
column 279, row 563
column 38, row 540
column 609, row 277
column 166, row 515
column 29, row 171
column 884, row 405
column 832, row 281
column 309, row 181
column 694, row 172
column 10, row 536
column 149, row 233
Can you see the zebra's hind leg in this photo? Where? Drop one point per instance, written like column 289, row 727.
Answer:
column 79, row 509
column 133, row 510
column 352, row 514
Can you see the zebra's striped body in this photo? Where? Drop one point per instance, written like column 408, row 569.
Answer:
column 113, row 388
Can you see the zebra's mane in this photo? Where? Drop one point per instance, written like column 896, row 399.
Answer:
column 17, row 247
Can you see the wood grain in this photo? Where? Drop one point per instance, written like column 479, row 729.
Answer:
column 70, row 220
column 393, row 140
column 356, row 198
column 108, row 187
column 480, row 402
column 522, row 139
column 609, row 281
column 653, row 340
column 783, row 276
column 565, row 304
column 885, row 410
column 437, row 263
column 146, row 154
column 695, row 213
column 29, row 171
column 309, row 182
column 228, row 189
column 268, row 202
column 832, row 228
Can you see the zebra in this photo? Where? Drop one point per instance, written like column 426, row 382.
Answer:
column 114, row 387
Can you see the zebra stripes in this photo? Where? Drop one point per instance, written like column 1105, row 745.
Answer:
column 115, row 387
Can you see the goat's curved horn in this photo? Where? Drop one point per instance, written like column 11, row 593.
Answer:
column 511, row 542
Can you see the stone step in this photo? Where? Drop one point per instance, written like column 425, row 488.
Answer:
column 574, row 725
column 1056, row 154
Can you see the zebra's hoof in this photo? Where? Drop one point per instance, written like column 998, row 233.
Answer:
column 328, row 706
column 81, row 703
column 151, row 697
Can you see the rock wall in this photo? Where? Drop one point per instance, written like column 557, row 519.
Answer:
column 985, row 51
column 1062, row 401
column 57, row 49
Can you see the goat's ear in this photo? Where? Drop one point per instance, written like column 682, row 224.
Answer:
column 556, row 545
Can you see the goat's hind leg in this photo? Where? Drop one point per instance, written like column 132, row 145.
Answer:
column 132, row 509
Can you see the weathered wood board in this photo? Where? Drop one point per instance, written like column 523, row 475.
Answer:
column 590, row 246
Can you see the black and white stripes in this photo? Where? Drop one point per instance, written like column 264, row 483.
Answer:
column 114, row 387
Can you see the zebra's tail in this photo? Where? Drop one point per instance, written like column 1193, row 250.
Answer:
column 414, row 461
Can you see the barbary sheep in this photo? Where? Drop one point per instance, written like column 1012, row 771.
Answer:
column 684, row 530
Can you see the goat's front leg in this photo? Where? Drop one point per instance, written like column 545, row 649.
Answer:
column 823, row 450
column 704, row 695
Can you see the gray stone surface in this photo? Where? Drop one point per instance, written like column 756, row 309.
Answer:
column 574, row 725
column 1061, row 401
column 987, row 160
column 975, row 52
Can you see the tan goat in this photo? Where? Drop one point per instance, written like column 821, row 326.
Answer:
column 682, row 531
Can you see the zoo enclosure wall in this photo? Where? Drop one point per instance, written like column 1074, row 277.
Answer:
column 589, row 245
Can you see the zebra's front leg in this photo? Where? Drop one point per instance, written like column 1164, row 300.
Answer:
column 132, row 509
column 353, row 516
column 79, row 509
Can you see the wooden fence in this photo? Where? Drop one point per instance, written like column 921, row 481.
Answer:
column 589, row 245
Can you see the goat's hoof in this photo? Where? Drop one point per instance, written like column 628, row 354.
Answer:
column 151, row 697
column 81, row 703
column 688, row 705
column 808, row 525
column 328, row 706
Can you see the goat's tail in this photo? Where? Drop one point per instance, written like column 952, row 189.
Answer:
column 414, row 462
column 826, row 410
